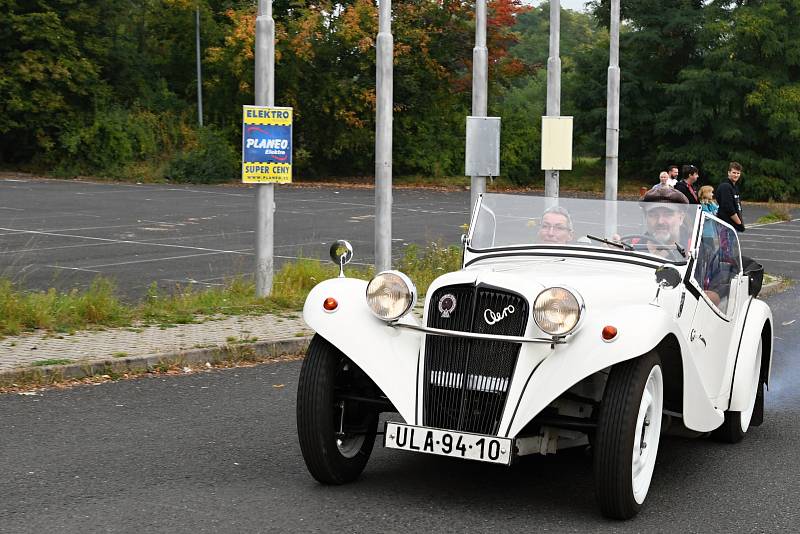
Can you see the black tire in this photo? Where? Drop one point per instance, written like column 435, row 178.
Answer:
column 326, row 371
column 731, row 429
column 617, row 435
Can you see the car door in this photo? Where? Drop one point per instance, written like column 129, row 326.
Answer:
column 716, row 278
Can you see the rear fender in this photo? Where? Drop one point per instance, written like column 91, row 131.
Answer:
column 759, row 318
column 640, row 329
column 389, row 356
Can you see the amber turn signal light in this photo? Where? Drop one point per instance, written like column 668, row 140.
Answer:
column 609, row 333
column 330, row 304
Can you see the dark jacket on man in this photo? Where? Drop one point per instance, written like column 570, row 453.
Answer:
column 688, row 191
column 727, row 194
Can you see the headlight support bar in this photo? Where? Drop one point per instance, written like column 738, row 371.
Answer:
column 473, row 335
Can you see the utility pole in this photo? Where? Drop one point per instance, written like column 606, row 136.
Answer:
column 384, row 49
column 199, row 70
column 480, row 87
column 612, row 106
column 551, row 177
column 265, row 193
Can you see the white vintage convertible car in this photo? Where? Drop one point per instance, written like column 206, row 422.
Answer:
column 571, row 323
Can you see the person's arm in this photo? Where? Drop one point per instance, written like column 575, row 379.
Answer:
column 735, row 218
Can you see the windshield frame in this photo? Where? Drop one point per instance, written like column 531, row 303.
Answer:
column 585, row 248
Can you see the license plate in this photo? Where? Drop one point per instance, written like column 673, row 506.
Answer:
column 448, row 443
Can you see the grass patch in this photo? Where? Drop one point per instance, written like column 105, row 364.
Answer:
column 51, row 361
column 59, row 311
column 778, row 212
column 99, row 306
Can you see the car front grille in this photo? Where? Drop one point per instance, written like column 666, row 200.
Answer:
column 467, row 380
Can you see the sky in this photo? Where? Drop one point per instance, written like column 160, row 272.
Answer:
column 575, row 5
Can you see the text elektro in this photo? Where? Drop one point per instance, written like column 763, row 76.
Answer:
column 266, row 114
column 267, row 143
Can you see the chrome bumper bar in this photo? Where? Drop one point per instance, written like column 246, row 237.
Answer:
column 473, row 335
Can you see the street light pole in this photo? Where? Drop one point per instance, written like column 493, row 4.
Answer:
column 265, row 193
column 199, row 70
column 480, row 87
column 551, row 177
column 384, row 50
column 612, row 106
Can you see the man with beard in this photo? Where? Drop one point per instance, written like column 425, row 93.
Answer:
column 665, row 212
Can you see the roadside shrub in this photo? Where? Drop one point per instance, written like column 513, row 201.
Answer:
column 114, row 137
column 212, row 160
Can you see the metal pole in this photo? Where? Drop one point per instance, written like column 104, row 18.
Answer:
column 480, row 87
column 265, row 193
column 612, row 106
column 199, row 71
column 383, row 138
column 551, row 177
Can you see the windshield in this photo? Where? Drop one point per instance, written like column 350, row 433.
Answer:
column 659, row 229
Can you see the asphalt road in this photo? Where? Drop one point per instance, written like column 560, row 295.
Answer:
column 217, row 452
column 65, row 233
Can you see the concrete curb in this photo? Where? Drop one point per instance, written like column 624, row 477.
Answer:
column 144, row 363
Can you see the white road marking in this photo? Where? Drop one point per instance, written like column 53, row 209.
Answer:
column 11, row 209
column 120, row 241
column 71, row 268
column 150, row 260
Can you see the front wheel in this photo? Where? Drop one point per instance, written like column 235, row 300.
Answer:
column 628, row 432
column 336, row 434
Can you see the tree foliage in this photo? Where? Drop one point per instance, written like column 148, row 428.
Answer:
column 110, row 87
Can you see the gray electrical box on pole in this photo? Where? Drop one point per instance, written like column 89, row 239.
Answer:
column 265, row 193
column 383, row 138
column 483, row 147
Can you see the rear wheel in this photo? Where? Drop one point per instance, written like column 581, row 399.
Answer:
column 628, row 433
column 336, row 434
column 736, row 424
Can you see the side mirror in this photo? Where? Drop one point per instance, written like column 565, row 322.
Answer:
column 668, row 276
column 341, row 254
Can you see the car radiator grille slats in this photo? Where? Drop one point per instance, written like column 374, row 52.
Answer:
column 467, row 381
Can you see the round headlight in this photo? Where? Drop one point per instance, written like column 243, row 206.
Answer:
column 390, row 295
column 557, row 311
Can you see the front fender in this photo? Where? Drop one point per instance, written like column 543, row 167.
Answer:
column 758, row 315
column 640, row 329
column 387, row 355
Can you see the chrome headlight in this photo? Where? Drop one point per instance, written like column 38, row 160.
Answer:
column 390, row 295
column 558, row 310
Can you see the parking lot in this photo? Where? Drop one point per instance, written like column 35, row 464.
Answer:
column 65, row 233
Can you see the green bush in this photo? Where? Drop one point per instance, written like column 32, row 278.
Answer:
column 113, row 138
column 211, row 160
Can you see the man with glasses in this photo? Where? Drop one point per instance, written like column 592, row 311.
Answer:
column 556, row 227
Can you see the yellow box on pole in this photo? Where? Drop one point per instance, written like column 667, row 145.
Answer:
column 556, row 143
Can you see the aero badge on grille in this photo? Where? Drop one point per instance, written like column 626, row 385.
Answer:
column 495, row 317
column 447, row 304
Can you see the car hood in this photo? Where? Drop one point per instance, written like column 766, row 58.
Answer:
column 600, row 283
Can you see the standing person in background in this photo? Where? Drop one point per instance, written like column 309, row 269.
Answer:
column 686, row 186
column 663, row 178
column 672, row 170
column 708, row 205
column 707, row 202
column 730, row 205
